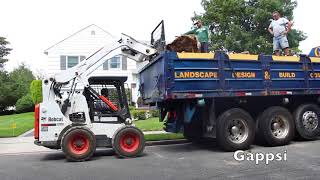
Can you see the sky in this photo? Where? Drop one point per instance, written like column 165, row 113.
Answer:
column 34, row 25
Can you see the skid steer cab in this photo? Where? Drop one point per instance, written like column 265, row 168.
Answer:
column 79, row 119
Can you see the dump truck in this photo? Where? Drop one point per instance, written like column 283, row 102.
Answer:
column 235, row 98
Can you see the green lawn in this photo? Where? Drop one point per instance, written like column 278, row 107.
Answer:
column 24, row 122
column 166, row 136
column 16, row 124
column 151, row 124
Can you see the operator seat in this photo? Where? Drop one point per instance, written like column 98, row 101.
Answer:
column 101, row 106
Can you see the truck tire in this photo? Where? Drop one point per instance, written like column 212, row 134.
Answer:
column 306, row 117
column 78, row 144
column 275, row 126
column 235, row 130
column 128, row 142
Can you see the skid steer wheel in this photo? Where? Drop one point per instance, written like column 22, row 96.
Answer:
column 78, row 144
column 275, row 126
column 306, row 117
column 235, row 130
column 128, row 142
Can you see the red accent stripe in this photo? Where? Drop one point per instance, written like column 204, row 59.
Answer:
column 240, row 93
column 36, row 121
column 109, row 103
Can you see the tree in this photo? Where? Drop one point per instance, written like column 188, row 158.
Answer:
column 14, row 85
column 21, row 78
column 6, row 96
column 4, row 51
column 241, row 25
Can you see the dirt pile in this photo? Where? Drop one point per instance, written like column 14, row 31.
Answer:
column 184, row 43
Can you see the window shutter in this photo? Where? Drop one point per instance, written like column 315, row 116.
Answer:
column 124, row 63
column 63, row 60
column 105, row 65
column 82, row 58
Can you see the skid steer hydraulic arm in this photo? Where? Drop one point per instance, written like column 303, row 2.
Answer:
column 126, row 46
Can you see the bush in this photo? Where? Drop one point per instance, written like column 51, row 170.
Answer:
column 139, row 114
column 25, row 104
column 36, row 91
column 7, row 112
column 132, row 108
column 154, row 113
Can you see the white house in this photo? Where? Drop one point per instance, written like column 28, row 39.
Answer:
column 80, row 45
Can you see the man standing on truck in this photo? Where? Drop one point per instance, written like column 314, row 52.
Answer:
column 279, row 28
column 202, row 33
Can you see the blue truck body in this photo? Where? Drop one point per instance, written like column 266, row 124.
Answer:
column 234, row 97
column 181, row 76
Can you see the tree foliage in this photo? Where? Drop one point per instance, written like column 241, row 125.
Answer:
column 36, row 91
column 14, row 85
column 241, row 25
column 4, row 51
column 21, row 78
column 6, row 97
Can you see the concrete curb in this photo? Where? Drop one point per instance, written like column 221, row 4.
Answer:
column 26, row 133
column 167, row 142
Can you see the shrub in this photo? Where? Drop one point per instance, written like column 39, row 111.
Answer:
column 7, row 112
column 25, row 104
column 131, row 108
column 154, row 113
column 36, row 91
column 139, row 114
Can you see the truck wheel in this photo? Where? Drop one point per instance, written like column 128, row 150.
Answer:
column 78, row 144
column 128, row 142
column 235, row 130
column 275, row 126
column 307, row 121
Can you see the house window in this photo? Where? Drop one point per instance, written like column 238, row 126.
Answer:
column 67, row 62
column 115, row 63
column 72, row 61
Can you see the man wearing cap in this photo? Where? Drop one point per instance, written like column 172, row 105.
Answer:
column 279, row 28
column 202, row 33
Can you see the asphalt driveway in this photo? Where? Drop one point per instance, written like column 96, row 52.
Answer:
column 184, row 161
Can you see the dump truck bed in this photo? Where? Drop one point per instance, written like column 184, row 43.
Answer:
column 173, row 75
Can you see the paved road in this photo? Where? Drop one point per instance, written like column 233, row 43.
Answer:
column 184, row 161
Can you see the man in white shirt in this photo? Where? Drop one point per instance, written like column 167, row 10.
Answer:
column 279, row 28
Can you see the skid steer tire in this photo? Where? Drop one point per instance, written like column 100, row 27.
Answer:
column 128, row 142
column 78, row 144
column 275, row 126
column 235, row 130
column 306, row 117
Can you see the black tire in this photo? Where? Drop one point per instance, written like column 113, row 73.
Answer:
column 244, row 126
column 86, row 144
column 123, row 145
column 275, row 126
column 306, row 118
